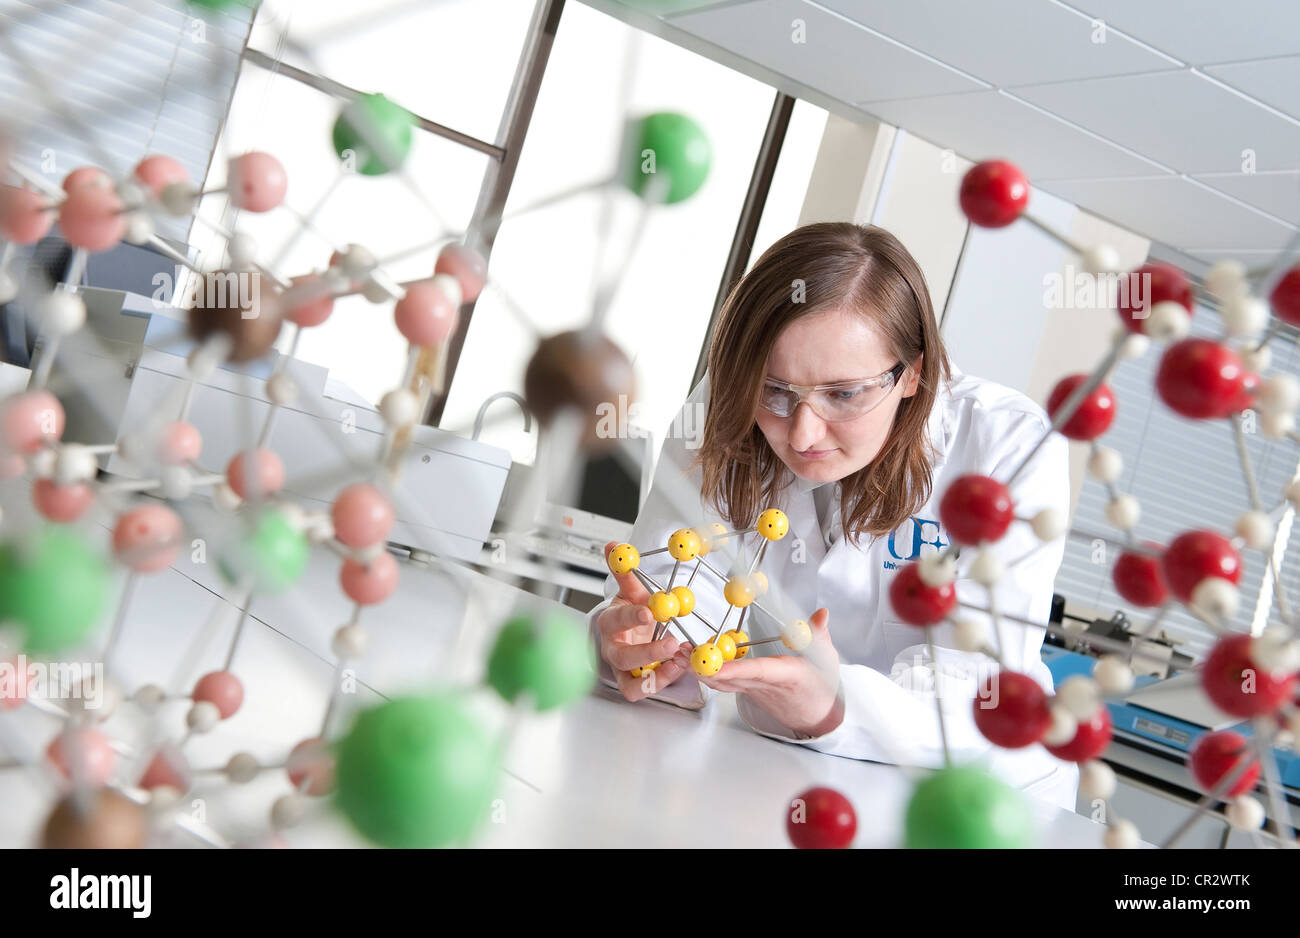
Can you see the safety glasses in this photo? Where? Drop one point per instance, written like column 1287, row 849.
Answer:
column 845, row 400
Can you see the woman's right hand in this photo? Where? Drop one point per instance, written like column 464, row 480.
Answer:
column 626, row 628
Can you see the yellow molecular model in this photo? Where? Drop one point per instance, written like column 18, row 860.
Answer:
column 668, row 604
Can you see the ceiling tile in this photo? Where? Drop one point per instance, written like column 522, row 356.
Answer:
column 1276, row 193
column 1006, row 42
column 1176, row 211
column 988, row 124
column 1276, row 82
column 1179, row 118
column 836, row 57
column 1203, row 31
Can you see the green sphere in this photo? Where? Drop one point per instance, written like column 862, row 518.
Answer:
column 417, row 772
column 666, row 144
column 963, row 807
column 54, row 587
column 377, row 131
column 553, row 662
column 273, row 554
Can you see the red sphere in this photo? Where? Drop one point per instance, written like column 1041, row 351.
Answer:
column 917, row 602
column 821, row 819
column 1285, row 298
column 1200, row 379
column 1237, row 685
column 1140, row 579
column 1090, row 740
column 1095, row 413
column 1148, row 285
column 1195, row 555
column 1011, row 710
column 994, row 194
column 976, row 509
column 1216, row 755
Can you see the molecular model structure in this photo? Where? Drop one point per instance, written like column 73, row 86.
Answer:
column 418, row 770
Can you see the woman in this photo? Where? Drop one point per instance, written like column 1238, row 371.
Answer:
column 829, row 394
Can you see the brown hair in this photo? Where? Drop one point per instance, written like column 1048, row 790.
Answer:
column 814, row 269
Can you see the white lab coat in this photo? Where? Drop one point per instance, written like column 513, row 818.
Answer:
column 886, row 672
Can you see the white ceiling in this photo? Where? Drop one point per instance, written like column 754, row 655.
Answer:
column 1150, row 128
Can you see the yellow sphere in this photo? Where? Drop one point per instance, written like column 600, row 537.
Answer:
column 623, row 559
column 758, row 582
column 708, row 535
column 684, row 545
column 644, row 669
column 663, row 606
column 706, row 660
column 773, row 524
column 685, row 600
column 738, row 592
column 727, row 645
column 797, row 635
column 738, row 638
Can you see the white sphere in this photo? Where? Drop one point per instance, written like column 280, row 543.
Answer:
column 1121, row 835
column 42, row 463
column 320, row 528
column 1275, row 649
column 139, row 228
column 288, row 811
column 1135, row 345
column 1081, row 696
column 281, row 390
column 1105, row 464
column 1226, row 278
column 987, row 568
column 1167, row 321
column 178, row 198
column 356, row 261
column 1062, row 729
column 131, row 193
column 293, row 513
column 1244, row 315
column 1113, row 675
column 1123, row 511
column 1099, row 259
column 74, row 463
column 177, row 483
column 242, row 768
column 242, row 247
column 350, row 642
column 937, row 569
column 366, row 555
column 1279, row 393
column 1048, row 524
column 61, row 312
column 1276, row 426
column 203, row 716
column 1255, row 528
column 1256, row 357
column 1245, row 813
column 450, row 286
column 970, row 635
column 1096, row 780
column 224, row 497
column 400, row 408
column 1216, row 596
column 149, row 697
column 9, row 286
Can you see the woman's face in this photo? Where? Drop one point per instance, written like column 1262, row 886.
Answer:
column 827, row 348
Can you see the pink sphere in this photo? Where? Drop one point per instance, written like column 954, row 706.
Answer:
column 92, row 218
column 83, row 755
column 316, row 305
column 370, row 583
column 311, row 760
column 467, row 266
column 62, row 503
column 362, row 515
column 169, row 768
column 222, row 689
column 87, row 176
column 269, row 469
column 158, row 172
column 24, row 219
column 147, row 538
column 257, row 182
column 180, row 443
column 29, row 421
column 425, row 315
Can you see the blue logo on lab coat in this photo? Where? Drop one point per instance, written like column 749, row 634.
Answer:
column 921, row 527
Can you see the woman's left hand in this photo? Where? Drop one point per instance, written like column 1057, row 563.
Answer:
column 801, row 691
